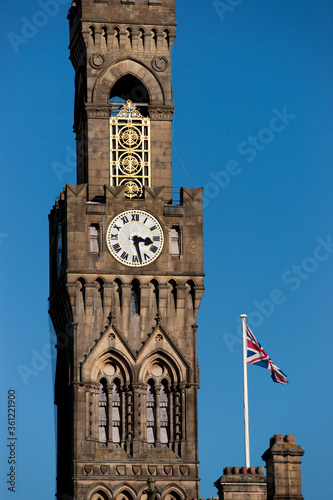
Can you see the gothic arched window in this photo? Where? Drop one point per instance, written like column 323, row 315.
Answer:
column 156, row 293
column 103, row 411
column 191, row 291
column 173, row 294
column 135, row 297
column 82, row 287
column 100, row 287
column 151, row 401
column 164, row 412
column 116, row 412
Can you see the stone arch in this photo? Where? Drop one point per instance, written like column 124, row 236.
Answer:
column 125, row 492
column 97, row 491
column 111, row 74
column 173, row 492
column 169, row 368
column 122, row 369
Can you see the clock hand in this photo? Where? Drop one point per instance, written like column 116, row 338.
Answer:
column 147, row 241
column 136, row 240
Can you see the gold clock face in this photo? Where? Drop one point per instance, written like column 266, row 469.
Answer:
column 135, row 238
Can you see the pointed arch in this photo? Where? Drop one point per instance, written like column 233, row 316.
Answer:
column 111, row 74
column 100, row 289
column 125, row 492
column 116, row 411
column 172, row 294
column 81, row 282
column 151, row 410
column 103, row 411
column 173, row 492
column 155, row 289
column 191, row 291
column 135, row 297
column 99, row 492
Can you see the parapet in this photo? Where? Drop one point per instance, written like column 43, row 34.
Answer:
column 239, row 481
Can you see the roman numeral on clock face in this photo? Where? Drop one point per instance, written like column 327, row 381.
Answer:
column 124, row 255
column 116, row 247
column 124, row 219
column 135, row 217
column 153, row 249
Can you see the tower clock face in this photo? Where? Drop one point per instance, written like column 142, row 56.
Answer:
column 135, row 238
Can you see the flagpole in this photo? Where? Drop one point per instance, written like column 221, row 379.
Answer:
column 245, row 395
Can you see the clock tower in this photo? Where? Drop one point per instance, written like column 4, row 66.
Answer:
column 126, row 268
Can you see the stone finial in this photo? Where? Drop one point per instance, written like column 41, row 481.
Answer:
column 111, row 318
column 158, row 318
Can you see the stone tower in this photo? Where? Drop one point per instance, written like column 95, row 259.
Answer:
column 126, row 268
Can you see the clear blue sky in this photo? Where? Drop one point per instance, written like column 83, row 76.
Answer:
column 267, row 222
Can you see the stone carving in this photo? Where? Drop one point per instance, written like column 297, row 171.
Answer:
column 88, row 469
column 161, row 114
column 159, row 63
column 152, row 491
column 120, row 470
column 136, row 470
column 105, row 469
column 168, row 470
column 183, row 470
column 98, row 112
column 96, row 61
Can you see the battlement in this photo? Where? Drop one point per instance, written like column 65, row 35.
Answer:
column 243, row 470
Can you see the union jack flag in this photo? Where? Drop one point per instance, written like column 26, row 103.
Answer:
column 257, row 355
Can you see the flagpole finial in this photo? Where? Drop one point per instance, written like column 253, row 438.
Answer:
column 243, row 316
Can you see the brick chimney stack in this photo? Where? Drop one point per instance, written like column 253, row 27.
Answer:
column 283, row 463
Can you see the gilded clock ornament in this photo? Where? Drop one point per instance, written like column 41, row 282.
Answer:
column 135, row 238
column 130, row 151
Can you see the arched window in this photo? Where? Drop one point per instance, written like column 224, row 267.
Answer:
column 124, row 495
column 104, row 36
column 129, row 36
column 118, row 283
column 100, row 287
column 92, row 34
column 81, row 282
column 164, row 413
column 117, row 35
column 173, row 294
column 166, row 34
column 156, row 293
column 173, row 496
column 191, row 291
column 154, row 37
column 100, row 495
column 135, row 297
column 128, row 87
column 116, row 412
column 103, row 412
column 151, row 401
column 141, row 38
